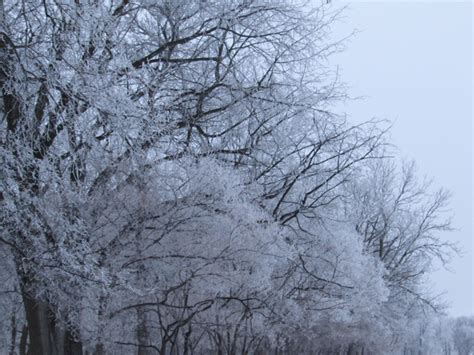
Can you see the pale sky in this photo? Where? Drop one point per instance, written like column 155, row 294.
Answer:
column 413, row 63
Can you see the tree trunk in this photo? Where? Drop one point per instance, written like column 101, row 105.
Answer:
column 187, row 344
column 13, row 334
column 40, row 327
column 23, row 340
column 46, row 336
column 71, row 345
column 143, row 336
column 99, row 347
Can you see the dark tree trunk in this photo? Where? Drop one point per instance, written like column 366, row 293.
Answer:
column 71, row 345
column 187, row 344
column 40, row 327
column 47, row 337
column 99, row 349
column 13, row 334
column 23, row 340
column 142, row 334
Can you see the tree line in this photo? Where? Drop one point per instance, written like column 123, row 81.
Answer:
column 176, row 180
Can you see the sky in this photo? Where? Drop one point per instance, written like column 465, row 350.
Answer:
column 412, row 62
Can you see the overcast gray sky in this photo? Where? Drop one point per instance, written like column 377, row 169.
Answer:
column 413, row 63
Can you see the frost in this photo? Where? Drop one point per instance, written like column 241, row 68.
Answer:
column 173, row 178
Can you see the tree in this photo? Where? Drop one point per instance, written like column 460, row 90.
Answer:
column 399, row 219
column 463, row 335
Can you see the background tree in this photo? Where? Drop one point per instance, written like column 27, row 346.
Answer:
column 463, row 335
column 400, row 220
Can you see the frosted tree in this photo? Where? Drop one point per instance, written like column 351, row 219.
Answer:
column 400, row 220
column 463, row 335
